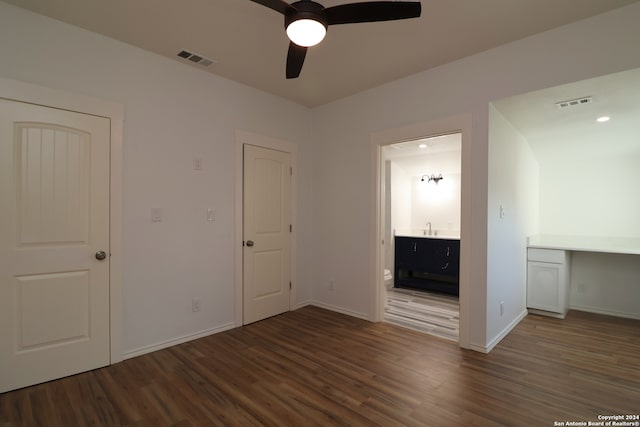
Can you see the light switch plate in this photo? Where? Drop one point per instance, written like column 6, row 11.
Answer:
column 156, row 215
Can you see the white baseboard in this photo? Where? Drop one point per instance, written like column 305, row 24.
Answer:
column 546, row 313
column 597, row 310
column 302, row 304
column 339, row 310
column 494, row 342
column 478, row 348
column 175, row 341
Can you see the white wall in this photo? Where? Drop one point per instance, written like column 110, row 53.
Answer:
column 438, row 204
column 401, row 197
column 605, row 283
column 426, row 201
column 592, row 196
column 514, row 176
column 173, row 113
column 398, row 208
column 574, row 201
column 343, row 165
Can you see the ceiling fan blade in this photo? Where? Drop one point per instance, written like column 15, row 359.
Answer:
column 372, row 11
column 295, row 59
column 277, row 5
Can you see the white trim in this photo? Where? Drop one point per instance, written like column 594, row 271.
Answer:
column 505, row 332
column 115, row 240
column 455, row 124
column 606, row 312
column 48, row 97
column 340, row 310
column 546, row 313
column 478, row 348
column 175, row 341
column 302, row 304
column 243, row 137
column 43, row 96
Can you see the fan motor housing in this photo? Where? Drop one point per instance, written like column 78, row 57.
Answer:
column 306, row 9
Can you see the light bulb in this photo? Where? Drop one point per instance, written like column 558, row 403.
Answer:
column 306, row 32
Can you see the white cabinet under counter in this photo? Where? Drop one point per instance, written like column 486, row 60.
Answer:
column 601, row 274
column 548, row 281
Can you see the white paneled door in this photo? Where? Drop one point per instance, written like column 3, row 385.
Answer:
column 54, row 243
column 267, row 221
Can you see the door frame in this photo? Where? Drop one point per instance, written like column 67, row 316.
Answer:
column 14, row 90
column 455, row 124
column 242, row 138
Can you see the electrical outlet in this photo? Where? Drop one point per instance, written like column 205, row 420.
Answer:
column 195, row 304
column 501, row 308
column 332, row 285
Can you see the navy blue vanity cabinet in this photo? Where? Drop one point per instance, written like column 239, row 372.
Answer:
column 427, row 263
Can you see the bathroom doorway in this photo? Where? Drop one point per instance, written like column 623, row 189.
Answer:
column 421, row 192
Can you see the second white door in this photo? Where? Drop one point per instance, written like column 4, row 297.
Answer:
column 267, row 233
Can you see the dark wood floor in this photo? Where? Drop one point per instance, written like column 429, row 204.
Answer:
column 315, row 367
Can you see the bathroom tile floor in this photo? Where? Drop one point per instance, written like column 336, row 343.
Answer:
column 431, row 313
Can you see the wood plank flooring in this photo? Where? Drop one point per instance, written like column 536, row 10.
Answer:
column 428, row 312
column 313, row 367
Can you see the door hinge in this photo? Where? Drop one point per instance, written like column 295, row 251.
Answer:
column 290, row 171
column 290, row 286
column 290, row 228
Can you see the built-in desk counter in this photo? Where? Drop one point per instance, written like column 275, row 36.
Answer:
column 613, row 245
column 549, row 266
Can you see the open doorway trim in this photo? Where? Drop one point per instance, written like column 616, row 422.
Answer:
column 242, row 138
column 455, row 124
column 47, row 97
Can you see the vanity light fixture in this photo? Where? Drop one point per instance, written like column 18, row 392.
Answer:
column 432, row 177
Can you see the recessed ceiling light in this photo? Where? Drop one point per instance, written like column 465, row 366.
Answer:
column 603, row 119
column 422, row 146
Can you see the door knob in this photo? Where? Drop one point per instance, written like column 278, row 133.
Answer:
column 100, row 255
column 249, row 243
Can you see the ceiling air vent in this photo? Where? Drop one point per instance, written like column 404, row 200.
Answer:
column 195, row 58
column 574, row 102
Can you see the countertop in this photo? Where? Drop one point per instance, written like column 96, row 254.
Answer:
column 435, row 234
column 614, row 245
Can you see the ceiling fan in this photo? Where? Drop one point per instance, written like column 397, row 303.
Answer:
column 306, row 21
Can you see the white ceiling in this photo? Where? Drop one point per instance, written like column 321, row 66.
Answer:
column 572, row 134
column 250, row 45
column 554, row 135
column 442, row 154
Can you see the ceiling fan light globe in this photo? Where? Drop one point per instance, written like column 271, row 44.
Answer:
column 306, row 32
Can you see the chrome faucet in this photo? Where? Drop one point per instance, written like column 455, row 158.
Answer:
column 429, row 228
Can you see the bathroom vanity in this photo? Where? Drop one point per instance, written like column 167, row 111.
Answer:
column 430, row 263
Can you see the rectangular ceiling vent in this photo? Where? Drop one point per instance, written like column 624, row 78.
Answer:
column 574, row 102
column 195, row 58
